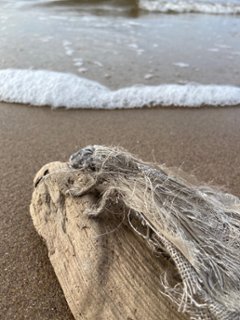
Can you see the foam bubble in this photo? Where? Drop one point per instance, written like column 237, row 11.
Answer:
column 82, row 70
column 39, row 87
column 67, row 47
column 181, row 64
column 98, row 63
column 148, row 76
column 213, row 49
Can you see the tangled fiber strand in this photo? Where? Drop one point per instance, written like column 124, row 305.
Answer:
column 198, row 227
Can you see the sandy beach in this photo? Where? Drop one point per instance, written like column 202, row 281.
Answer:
column 118, row 44
column 204, row 142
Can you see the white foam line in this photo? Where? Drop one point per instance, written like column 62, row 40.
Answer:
column 40, row 88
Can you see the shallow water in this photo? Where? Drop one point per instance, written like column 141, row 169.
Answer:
column 118, row 44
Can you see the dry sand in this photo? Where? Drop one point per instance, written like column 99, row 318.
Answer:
column 205, row 142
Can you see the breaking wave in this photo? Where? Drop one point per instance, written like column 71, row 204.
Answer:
column 191, row 6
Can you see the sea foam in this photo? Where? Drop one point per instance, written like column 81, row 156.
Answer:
column 48, row 88
column 190, row 6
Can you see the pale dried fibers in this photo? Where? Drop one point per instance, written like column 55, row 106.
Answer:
column 196, row 227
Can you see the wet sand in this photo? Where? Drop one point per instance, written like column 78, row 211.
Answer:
column 202, row 141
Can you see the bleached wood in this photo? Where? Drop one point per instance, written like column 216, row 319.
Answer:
column 106, row 271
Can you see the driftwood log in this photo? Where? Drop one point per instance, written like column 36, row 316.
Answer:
column 101, row 211
column 105, row 270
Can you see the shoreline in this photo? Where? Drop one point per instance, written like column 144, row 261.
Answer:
column 42, row 88
column 202, row 141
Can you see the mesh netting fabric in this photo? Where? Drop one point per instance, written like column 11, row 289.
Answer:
column 197, row 226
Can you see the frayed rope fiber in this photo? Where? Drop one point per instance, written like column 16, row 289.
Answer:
column 196, row 226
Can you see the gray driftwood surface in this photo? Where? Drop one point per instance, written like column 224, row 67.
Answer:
column 105, row 270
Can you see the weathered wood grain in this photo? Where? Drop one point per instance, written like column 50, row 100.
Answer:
column 105, row 270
